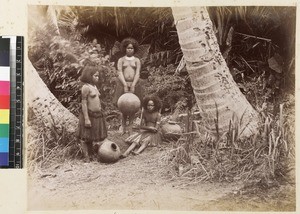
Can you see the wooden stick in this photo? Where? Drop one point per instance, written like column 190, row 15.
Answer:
column 256, row 37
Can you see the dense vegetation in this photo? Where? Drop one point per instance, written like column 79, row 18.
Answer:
column 258, row 44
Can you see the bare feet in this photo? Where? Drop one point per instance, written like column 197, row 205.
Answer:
column 135, row 153
column 123, row 156
column 86, row 160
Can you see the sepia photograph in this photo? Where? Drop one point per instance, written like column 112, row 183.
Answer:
column 161, row 108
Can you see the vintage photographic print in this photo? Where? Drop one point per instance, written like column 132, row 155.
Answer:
column 161, row 108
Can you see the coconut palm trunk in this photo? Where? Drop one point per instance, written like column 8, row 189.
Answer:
column 216, row 93
column 45, row 105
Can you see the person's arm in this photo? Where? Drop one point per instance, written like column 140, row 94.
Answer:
column 142, row 118
column 137, row 75
column 121, row 74
column 84, row 93
column 157, row 125
column 100, row 101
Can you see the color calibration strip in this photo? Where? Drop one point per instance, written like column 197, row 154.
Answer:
column 16, row 102
column 4, row 100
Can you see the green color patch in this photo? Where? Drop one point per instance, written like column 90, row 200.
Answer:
column 4, row 130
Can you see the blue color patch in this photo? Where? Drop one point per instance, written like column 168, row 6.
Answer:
column 4, row 144
column 4, row 159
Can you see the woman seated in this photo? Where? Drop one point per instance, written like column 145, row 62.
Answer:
column 149, row 128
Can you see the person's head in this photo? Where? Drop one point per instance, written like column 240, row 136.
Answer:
column 129, row 46
column 95, row 42
column 151, row 103
column 98, row 47
column 90, row 74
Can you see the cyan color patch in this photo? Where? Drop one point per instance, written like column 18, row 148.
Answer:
column 4, row 142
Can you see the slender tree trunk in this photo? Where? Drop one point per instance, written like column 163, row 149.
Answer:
column 45, row 105
column 43, row 17
column 52, row 17
column 216, row 93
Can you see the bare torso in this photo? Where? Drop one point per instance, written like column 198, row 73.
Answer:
column 129, row 67
column 151, row 118
column 93, row 98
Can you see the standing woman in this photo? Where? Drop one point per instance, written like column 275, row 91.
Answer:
column 129, row 68
column 92, row 127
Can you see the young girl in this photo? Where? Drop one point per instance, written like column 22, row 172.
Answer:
column 92, row 126
column 128, row 80
column 150, row 121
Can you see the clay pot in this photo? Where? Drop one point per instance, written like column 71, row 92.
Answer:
column 109, row 152
column 129, row 104
column 171, row 131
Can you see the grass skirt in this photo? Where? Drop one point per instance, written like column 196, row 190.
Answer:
column 153, row 139
column 97, row 132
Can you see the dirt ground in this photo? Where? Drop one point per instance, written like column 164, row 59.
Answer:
column 143, row 183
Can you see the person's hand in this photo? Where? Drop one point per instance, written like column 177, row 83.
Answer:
column 154, row 130
column 132, row 88
column 125, row 89
column 87, row 123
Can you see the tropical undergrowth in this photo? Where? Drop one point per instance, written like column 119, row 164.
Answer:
column 254, row 57
column 267, row 156
column 59, row 60
column 48, row 146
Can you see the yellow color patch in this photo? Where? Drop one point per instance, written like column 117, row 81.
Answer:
column 4, row 116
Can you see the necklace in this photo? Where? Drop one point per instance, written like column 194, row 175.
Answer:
column 129, row 57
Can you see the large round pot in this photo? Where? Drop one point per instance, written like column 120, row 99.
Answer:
column 109, row 152
column 129, row 104
column 171, row 131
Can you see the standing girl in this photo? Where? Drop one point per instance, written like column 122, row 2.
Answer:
column 150, row 122
column 128, row 80
column 92, row 126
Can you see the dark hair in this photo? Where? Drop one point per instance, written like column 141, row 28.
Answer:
column 156, row 101
column 128, row 41
column 87, row 74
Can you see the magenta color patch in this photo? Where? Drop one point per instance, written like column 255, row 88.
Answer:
column 4, row 87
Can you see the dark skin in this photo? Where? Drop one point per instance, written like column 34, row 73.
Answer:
column 129, row 73
column 91, row 103
column 129, row 70
column 148, row 123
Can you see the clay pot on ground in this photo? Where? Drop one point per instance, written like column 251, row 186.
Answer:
column 129, row 104
column 171, row 131
column 109, row 152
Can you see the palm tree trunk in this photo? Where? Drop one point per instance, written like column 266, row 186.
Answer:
column 216, row 93
column 45, row 105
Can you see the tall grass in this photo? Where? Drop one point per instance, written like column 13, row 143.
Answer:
column 49, row 146
column 266, row 156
